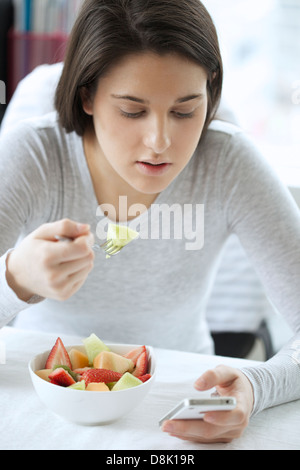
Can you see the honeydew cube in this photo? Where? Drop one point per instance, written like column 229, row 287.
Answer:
column 97, row 387
column 126, row 381
column 78, row 386
column 112, row 361
column 121, row 235
column 94, row 346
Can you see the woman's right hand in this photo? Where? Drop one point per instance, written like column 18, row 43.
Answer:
column 42, row 266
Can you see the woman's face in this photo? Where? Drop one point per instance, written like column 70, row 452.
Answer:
column 148, row 112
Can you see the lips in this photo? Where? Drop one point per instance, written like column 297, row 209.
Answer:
column 153, row 168
column 153, row 163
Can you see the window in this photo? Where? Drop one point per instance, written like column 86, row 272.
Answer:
column 260, row 42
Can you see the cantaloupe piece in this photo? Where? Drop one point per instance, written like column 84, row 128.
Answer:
column 78, row 359
column 112, row 361
column 44, row 374
column 97, row 387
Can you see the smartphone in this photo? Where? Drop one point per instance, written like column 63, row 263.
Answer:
column 195, row 408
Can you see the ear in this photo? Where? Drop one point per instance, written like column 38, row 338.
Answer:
column 86, row 100
column 212, row 77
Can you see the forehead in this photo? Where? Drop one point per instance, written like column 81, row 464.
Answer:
column 148, row 73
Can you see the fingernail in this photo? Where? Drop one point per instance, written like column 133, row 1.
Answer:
column 83, row 227
column 200, row 384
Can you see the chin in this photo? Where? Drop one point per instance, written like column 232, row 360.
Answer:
column 152, row 188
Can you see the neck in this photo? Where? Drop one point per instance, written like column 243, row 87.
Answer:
column 118, row 200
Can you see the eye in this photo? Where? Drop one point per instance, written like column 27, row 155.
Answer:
column 132, row 115
column 183, row 115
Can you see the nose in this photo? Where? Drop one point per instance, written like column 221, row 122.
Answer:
column 157, row 136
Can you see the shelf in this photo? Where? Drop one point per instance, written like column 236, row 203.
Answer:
column 28, row 50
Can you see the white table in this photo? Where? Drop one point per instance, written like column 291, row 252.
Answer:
column 26, row 424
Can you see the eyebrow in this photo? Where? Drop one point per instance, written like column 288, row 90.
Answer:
column 139, row 100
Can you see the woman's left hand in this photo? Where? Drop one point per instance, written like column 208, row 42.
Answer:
column 218, row 426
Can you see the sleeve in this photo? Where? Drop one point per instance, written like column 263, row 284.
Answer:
column 259, row 209
column 23, row 196
column 10, row 304
column 33, row 97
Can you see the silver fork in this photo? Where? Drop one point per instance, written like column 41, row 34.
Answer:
column 108, row 246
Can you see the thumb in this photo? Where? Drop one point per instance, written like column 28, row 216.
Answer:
column 221, row 375
column 62, row 228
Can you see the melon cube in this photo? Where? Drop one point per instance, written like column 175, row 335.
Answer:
column 112, row 361
column 94, row 346
column 44, row 374
column 78, row 385
column 126, row 381
column 121, row 235
column 97, row 387
column 78, row 359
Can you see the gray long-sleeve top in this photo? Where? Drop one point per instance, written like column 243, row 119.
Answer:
column 156, row 290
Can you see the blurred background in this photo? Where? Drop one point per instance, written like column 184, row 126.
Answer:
column 260, row 43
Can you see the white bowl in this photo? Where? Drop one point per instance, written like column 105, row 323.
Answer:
column 90, row 408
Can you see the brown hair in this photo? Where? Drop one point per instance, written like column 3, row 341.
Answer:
column 107, row 30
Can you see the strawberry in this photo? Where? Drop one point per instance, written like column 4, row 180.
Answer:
column 81, row 371
column 71, row 372
column 141, row 367
column 135, row 353
column 61, row 377
column 58, row 356
column 145, row 377
column 100, row 375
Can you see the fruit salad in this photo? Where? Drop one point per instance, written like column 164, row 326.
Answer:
column 96, row 369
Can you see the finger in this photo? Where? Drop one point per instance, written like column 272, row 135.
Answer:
column 69, row 268
column 64, row 252
column 72, row 284
column 197, row 430
column 221, row 375
column 185, row 427
column 219, row 440
column 87, row 240
column 79, row 276
column 225, row 418
column 63, row 228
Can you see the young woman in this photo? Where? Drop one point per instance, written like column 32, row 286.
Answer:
column 134, row 141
